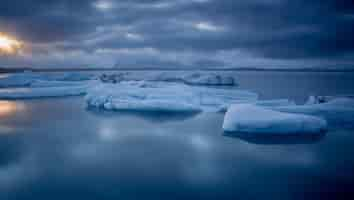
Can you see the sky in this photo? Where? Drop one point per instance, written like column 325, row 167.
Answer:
column 195, row 34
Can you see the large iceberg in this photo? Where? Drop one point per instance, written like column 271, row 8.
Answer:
column 338, row 110
column 194, row 78
column 154, row 96
column 247, row 118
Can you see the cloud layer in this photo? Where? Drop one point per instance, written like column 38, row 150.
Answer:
column 180, row 33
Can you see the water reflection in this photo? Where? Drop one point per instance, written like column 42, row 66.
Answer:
column 70, row 153
column 277, row 139
column 150, row 116
column 8, row 108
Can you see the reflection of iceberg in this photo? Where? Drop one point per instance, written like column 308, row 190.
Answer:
column 277, row 139
column 247, row 118
column 163, row 97
column 154, row 116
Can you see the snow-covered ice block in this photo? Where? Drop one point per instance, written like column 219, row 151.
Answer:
column 134, row 97
column 336, row 110
column 247, row 118
column 158, row 96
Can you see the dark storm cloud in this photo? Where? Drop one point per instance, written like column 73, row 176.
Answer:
column 267, row 29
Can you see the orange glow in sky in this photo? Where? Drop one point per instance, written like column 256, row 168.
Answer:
column 9, row 45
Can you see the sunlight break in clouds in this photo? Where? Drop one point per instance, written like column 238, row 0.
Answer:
column 9, row 45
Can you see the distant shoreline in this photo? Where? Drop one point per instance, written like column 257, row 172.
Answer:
column 18, row 70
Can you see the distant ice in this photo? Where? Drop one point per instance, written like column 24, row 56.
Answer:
column 190, row 78
column 323, row 99
column 18, row 79
column 37, row 85
column 158, row 96
column 26, row 93
column 26, row 79
column 44, row 83
column 247, row 118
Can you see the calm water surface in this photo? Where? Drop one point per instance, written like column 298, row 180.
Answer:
column 57, row 149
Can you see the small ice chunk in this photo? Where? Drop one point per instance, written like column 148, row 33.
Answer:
column 247, row 118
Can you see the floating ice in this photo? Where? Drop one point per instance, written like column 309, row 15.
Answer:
column 44, row 83
column 247, row 118
column 131, row 97
column 323, row 99
column 26, row 79
column 18, row 79
column 264, row 103
column 153, row 96
column 335, row 110
column 26, row 93
column 37, row 85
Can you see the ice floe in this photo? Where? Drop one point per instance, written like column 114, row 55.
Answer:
column 248, row 118
column 27, row 93
column 44, row 83
column 38, row 85
column 264, row 103
column 323, row 99
column 26, row 79
column 153, row 96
